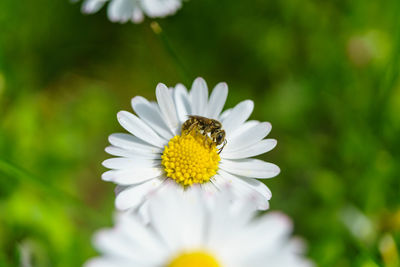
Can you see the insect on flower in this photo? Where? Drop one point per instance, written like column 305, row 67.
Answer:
column 211, row 129
column 158, row 151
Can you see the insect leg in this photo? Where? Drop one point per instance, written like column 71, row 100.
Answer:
column 220, row 150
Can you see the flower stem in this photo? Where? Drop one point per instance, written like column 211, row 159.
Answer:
column 160, row 33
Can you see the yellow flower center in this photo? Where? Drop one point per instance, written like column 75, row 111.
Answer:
column 190, row 159
column 194, row 259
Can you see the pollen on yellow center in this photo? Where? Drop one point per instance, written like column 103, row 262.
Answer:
column 190, row 159
column 194, row 259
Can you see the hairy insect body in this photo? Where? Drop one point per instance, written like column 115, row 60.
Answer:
column 210, row 128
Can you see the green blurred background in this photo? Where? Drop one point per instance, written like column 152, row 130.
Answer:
column 324, row 73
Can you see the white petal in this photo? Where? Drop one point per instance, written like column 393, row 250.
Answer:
column 92, row 6
column 134, row 195
column 217, row 100
column 112, row 242
column 160, row 8
column 143, row 212
column 240, row 113
column 258, row 148
column 108, row 262
column 167, row 107
column 225, row 114
column 253, row 184
column 119, row 242
column 199, row 97
column 256, row 193
column 242, row 128
column 218, row 228
column 258, row 186
column 149, row 114
column 259, row 192
column 120, row 152
column 209, row 188
column 137, row 15
column 142, row 240
column 137, row 127
column 132, row 143
column 130, row 163
column 192, row 229
column 275, row 225
column 297, row 245
column 120, row 10
column 253, row 168
column 247, row 136
column 182, row 102
column 132, row 176
column 168, row 230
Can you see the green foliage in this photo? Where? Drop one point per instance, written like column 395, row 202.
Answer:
column 324, row 73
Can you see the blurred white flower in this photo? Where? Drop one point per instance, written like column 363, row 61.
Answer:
column 360, row 226
column 133, row 10
column 199, row 231
column 155, row 151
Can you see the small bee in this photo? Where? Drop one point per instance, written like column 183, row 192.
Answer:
column 206, row 126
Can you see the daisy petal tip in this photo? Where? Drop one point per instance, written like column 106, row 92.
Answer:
column 264, row 206
column 108, row 150
column 180, row 86
column 135, row 100
column 121, row 114
column 272, row 172
column 249, row 103
column 138, row 20
column 268, row 125
column 161, row 86
column 282, row 218
column 123, row 117
column 268, row 197
column 110, row 138
column 199, row 80
column 274, row 141
column 199, row 83
column 121, row 205
column 222, row 88
column 100, row 236
column 107, row 176
column 224, row 85
column 106, row 163
column 276, row 170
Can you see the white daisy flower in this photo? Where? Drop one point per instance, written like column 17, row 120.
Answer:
column 155, row 150
column 133, row 10
column 187, row 232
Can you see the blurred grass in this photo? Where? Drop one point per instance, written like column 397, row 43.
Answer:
column 324, row 73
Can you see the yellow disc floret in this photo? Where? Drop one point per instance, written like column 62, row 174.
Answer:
column 194, row 259
column 190, row 159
